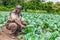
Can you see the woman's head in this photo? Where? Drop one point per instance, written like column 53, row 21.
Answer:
column 18, row 8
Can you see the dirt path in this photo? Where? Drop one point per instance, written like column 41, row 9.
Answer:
column 4, row 36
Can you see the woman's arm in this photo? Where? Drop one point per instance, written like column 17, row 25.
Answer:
column 23, row 22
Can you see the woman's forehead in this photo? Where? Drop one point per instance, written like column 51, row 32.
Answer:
column 19, row 7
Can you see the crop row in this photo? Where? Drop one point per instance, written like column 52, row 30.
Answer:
column 41, row 26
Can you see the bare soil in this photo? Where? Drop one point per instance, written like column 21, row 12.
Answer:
column 5, row 35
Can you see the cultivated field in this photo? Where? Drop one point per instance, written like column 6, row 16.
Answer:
column 41, row 26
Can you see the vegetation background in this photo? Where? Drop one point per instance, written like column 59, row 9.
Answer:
column 39, row 6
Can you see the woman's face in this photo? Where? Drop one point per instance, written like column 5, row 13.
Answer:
column 18, row 10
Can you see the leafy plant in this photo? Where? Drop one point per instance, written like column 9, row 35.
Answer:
column 41, row 26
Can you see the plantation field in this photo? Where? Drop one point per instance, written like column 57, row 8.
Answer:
column 41, row 26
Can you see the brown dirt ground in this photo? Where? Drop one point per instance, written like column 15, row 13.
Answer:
column 4, row 36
